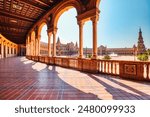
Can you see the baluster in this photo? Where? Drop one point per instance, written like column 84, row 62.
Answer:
column 118, row 68
column 115, row 68
column 147, row 72
column 101, row 64
column 104, row 67
column 111, row 67
column 108, row 67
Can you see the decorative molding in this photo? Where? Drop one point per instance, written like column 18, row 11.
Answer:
column 130, row 69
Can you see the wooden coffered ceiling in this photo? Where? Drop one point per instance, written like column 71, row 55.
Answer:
column 18, row 16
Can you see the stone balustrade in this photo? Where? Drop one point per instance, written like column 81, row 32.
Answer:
column 125, row 69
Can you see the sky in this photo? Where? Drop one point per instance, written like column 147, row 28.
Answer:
column 118, row 25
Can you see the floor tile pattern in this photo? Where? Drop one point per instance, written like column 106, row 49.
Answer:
column 23, row 79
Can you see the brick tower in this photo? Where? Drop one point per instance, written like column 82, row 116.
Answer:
column 140, row 47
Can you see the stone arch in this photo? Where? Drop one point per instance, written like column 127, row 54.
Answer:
column 27, row 45
column 32, row 35
column 97, row 3
column 86, row 10
column 33, row 43
column 64, row 7
column 44, row 22
column 28, row 39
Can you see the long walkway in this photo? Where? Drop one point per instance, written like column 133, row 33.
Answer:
column 22, row 79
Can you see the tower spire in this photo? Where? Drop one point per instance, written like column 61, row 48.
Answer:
column 58, row 41
column 140, row 29
column 76, row 44
column 140, row 47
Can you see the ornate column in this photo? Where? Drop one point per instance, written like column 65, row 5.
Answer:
column 13, row 49
column 54, row 42
column 6, row 49
column 37, row 41
column 2, row 48
column 35, row 47
column 30, row 49
column 27, row 46
column 49, row 43
column 9, row 49
column 17, row 51
column 94, row 22
column 80, row 23
column 38, row 44
column 32, row 46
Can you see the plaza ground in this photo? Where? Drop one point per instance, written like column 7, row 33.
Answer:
column 124, row 58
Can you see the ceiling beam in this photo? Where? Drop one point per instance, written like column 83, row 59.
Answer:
column 31, row 4
column 12, row 30
column 17, row 40
column 13, row 34
column 4, row 6
column 43, row 3
column 11, row 15
column 14, row 26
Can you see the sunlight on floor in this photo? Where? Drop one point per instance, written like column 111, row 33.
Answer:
column 102, row 86
column 39, row 66
column 81, row 82
column 25, row 60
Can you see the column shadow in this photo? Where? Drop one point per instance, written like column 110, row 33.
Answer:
column 128, row 87
column 29, row 84
column 119, row 93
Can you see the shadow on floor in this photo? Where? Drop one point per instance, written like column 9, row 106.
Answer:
column 119, row 93
column 22, row 82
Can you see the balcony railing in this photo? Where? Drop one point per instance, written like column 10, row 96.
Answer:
column 125, row 69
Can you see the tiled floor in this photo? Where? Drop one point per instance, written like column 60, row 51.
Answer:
column 22, row 79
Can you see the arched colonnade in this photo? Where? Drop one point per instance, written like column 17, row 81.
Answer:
column 86, row 10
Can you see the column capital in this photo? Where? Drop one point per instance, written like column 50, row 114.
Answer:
column 49, row 33
column 1, row 38
column 52, row 30
column 95, row 18
column 55, row 30
column 81, row 23
column 38, row 37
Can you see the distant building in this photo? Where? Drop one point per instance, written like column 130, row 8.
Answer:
column 119, row 51
column 68, row 49
column 43, row 48
column 140, row 46
column 140, row 49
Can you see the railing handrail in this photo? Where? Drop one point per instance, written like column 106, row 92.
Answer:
column 144, row 62
column 139, row 70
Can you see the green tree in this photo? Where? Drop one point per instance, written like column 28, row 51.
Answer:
column 142, row 57
column 89, row 56
column 107, row 57
column 148, row 52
